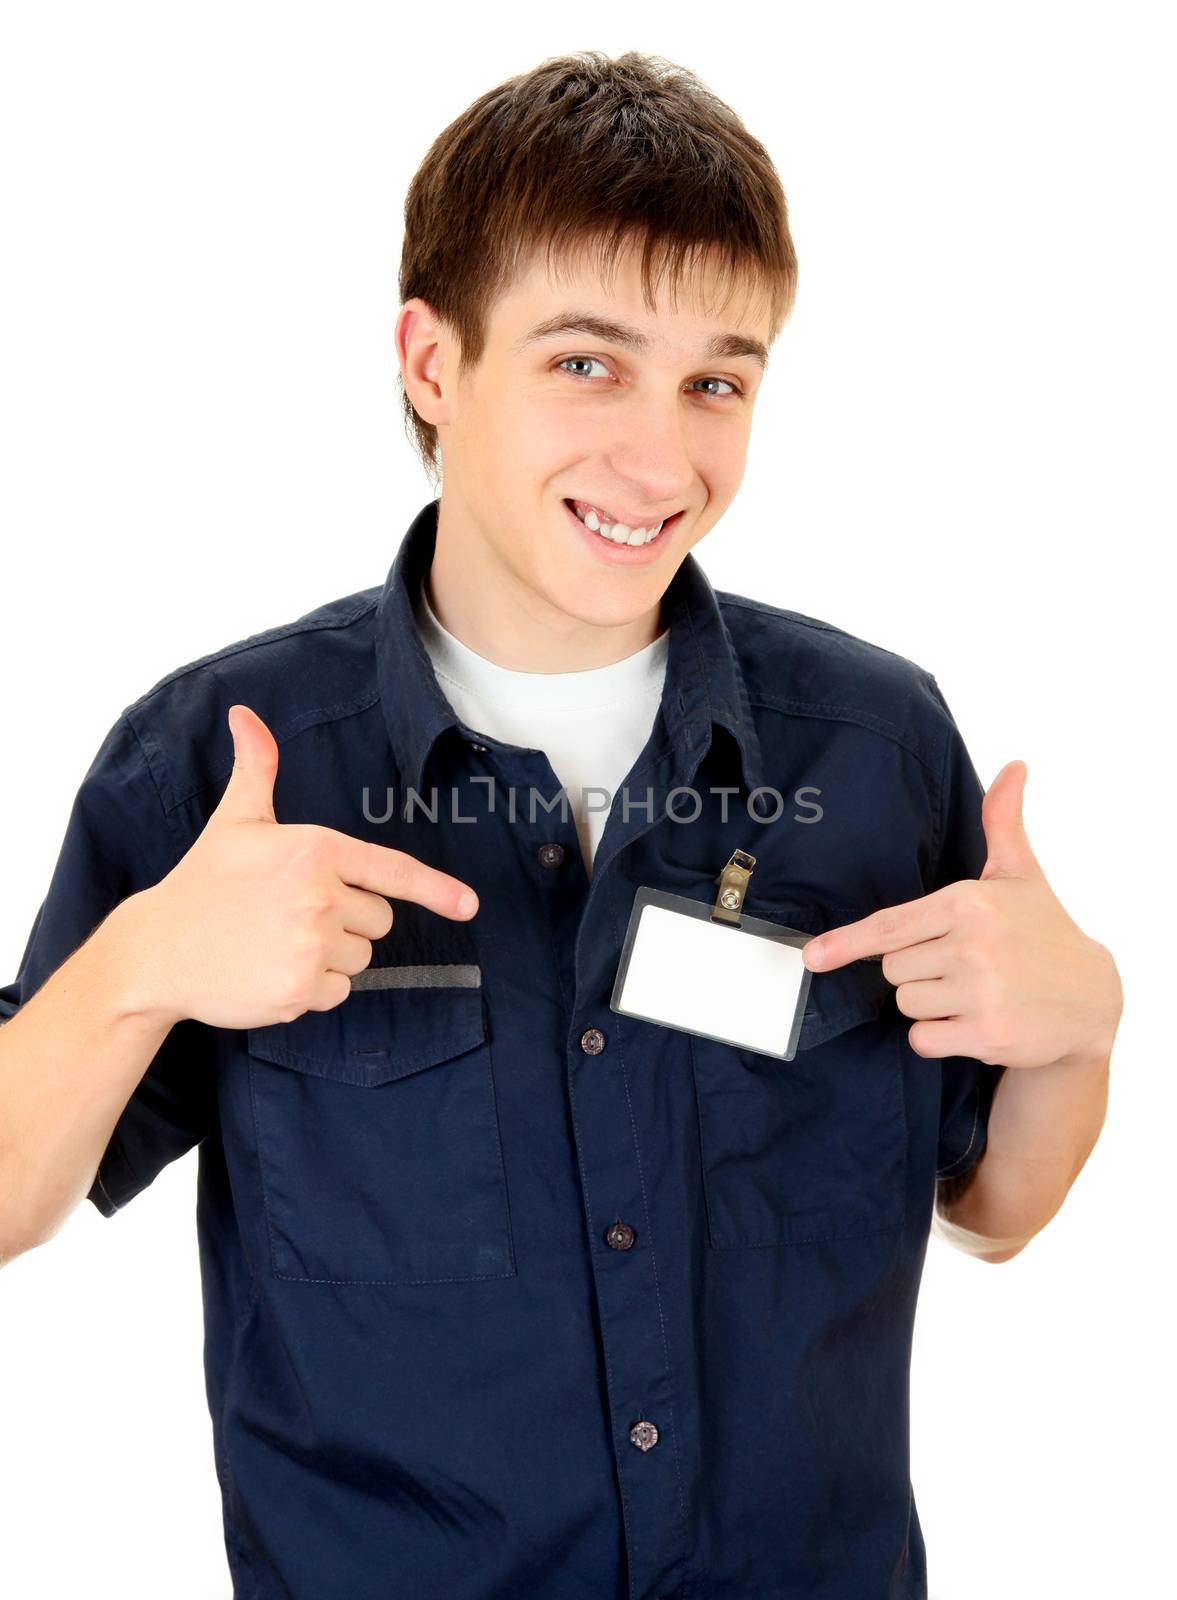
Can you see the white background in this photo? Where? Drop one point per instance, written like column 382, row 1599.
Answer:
column 957, row 455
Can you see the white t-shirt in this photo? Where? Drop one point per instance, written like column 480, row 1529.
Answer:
column 591, row 725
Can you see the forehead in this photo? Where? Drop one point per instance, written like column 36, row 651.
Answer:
column 708, row 305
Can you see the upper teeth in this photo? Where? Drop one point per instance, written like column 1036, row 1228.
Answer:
column 617, row 531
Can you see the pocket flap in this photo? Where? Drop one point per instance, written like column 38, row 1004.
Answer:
column 844, row 997
column 396, row 1021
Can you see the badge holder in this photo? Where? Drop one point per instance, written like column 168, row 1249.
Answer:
column 709, row 970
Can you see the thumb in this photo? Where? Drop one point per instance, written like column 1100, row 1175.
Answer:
column 249, row 794
column 1009, row 852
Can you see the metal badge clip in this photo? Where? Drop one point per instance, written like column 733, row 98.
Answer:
column 733, row 883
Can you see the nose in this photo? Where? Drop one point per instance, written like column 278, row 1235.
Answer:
column 651, row 458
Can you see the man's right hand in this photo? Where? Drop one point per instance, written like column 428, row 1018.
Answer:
column 263, row 920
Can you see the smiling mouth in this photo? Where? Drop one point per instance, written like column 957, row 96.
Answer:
column 618, row 532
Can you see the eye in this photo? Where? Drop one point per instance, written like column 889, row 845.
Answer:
column 734, row 391
column 589, row 360
column 731, row 386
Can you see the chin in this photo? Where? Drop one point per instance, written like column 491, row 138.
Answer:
column 603, row 609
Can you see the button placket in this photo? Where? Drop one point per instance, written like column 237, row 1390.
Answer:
column 632, row 1320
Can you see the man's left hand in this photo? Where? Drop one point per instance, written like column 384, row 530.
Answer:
column 991, row 967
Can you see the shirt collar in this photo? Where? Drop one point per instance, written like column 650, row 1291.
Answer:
column 704, row 683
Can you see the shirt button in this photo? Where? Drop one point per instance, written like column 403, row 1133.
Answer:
column 475, row 746
column 644, row 1435
column 551, row 855
column 592, row 1041
column 621, row 1236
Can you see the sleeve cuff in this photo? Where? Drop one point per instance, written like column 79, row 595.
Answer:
column 115, row 1181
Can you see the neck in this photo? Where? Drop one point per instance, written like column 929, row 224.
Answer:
column 486, row 605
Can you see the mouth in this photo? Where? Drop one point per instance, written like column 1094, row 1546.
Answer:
column 615, row 541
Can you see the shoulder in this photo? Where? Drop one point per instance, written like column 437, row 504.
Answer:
column 802, row 666
column 296, row 675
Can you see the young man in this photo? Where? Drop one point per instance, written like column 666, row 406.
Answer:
column 508, row 1292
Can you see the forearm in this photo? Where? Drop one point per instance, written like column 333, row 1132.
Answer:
column 70, row 1059
column 1043, row 1125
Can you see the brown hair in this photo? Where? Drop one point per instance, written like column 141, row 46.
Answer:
column 587, row 151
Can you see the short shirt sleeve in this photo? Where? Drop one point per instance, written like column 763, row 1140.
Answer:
column 966, row 1085
column 117, row 842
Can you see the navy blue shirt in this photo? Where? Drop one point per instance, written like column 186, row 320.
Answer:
column 507, row 1294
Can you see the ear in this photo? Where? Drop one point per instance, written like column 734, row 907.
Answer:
column 422, row 346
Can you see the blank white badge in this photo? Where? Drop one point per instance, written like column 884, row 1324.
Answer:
column 743, row 984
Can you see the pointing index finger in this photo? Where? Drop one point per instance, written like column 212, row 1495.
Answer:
column 400, row 876
column 893, row 928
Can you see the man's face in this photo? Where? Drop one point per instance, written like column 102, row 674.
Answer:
column 647, row 434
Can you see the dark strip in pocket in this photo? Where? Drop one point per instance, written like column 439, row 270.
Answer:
column 444, row 975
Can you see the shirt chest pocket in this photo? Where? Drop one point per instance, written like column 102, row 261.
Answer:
column 377, row 1134
column 798, row 1151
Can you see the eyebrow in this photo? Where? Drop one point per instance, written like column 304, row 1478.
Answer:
column 723, row 345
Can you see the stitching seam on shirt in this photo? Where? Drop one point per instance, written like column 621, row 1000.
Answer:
column 179, row 845
column 704, row 676
column 628, row 1527
column 295, row 1277
column 261, row 1177
column 118, row 1153
column 667, row 750
column 948, row 1171
column 939, row 840
column 282, row 630
column 494, row 1102
column 104, row 1191
column 764, row 608
column 940, row 807
column 851, row 714
column 692, row 1577
column 309, row 719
